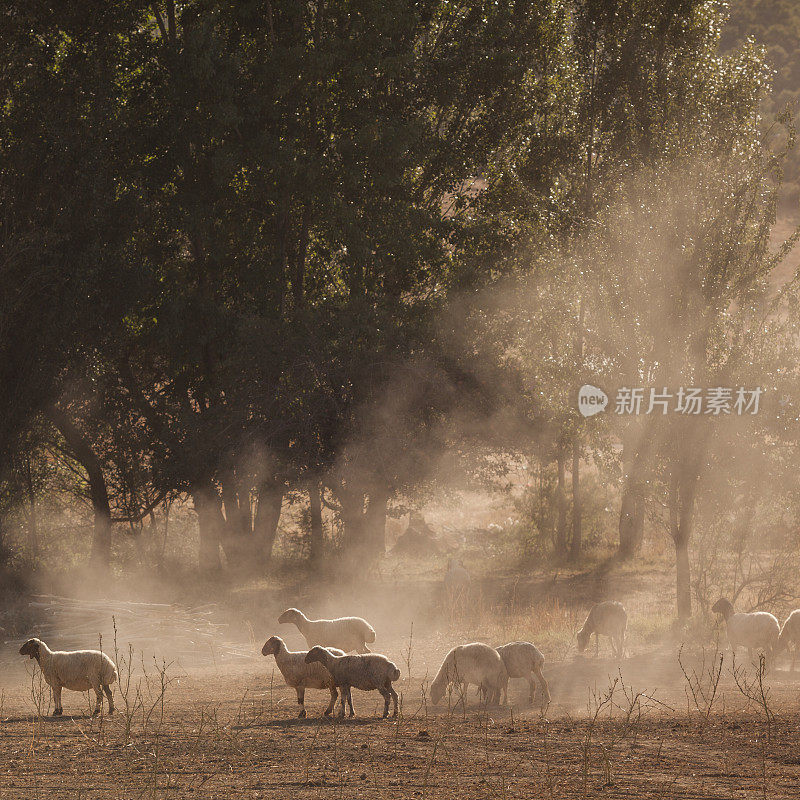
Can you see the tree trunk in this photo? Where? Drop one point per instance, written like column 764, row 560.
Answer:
column 577, row 511
column 561, row 505
column 375, row 521
column 364, row 517
column 101, row 540
column 682, row 497
column 576, row 546
column 268, row 514
column 33, row 527
column 238, row 540
column 631, row 519
column 98, row 492
column 683, row 585
column 351, row 505
column 636, row 447
column 209, row 522
column 317, row 539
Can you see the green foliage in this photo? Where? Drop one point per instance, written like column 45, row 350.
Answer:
column 775, row 24
column 250, row 247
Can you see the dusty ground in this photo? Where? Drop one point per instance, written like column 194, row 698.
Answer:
column 219, row 723
column 232, row 732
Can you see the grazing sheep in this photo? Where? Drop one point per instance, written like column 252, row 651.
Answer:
column 790, row 635
column 524, row 660
column 608, row 619
column 299, row 675
column 77, row 670
column 344, row 633
column 366, row 672
column 474, row 663
column 757, row 629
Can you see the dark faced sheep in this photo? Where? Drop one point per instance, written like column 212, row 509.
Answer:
column 77, row 670
column 300, row 675
column 370, row 672
column 753, row 630
column 605, row 619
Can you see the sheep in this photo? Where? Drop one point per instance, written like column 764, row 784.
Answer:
column 367, row 672
column 344, row 633
column 524, row 660
column 299, row 675
column 77, row 670
column 790, row 635
column 757, row 629
column 474, row 663
column 609, row 619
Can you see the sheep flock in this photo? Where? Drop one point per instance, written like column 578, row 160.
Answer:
column 337, row 659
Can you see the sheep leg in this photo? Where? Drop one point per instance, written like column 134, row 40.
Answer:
column 350, row 701
column 57, row 700
column 301, row 698
column 531, row 688
column 794, row 656
column 393, row 693
column 543, row 683
column 98, row 706
column 110, row 696
column 596, row 645
column 343, row 700
column 331, row 705
column 385, row 694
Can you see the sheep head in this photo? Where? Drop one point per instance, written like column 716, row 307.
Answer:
column 583, row 639
column 31, row 648
column 290, row 615
column 437, row 693
column 272, row 646
column 723, row 606
column 319, row 654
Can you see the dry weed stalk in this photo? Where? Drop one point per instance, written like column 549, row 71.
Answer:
column 703, row 686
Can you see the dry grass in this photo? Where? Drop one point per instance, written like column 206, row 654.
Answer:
column 670, row 721
column 651, row 726
column 237, row 737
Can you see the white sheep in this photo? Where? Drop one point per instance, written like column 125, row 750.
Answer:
column 474, row 663
column 368, row 672
column 299, row 675
column 344, row 633
column 753, row 630
column 790, row 635
column 524, row 660
column 607, row 619
column 77, row 670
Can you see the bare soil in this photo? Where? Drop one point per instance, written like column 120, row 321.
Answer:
column 614, row 730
